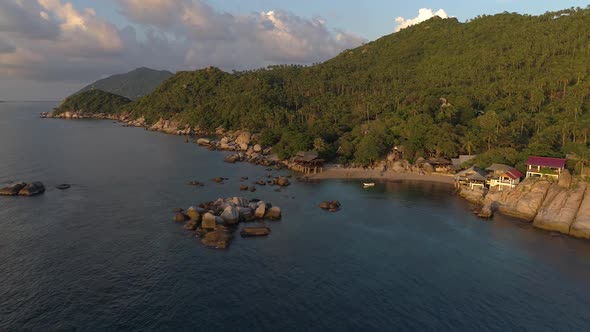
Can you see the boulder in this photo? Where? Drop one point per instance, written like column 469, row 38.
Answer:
column 240, row 202
column 475, row 196
column 281, row 181
column 398, row 167
column 246, row 214
column 230, row 215
column 180, row 217
column 12, row 190
column 244, row 139
column 209, row 221
column 219, row 239
column 244, row 147
column 203, row 141
column 255, row 231
column 274, row 213
column 63, row 186
column 260, row 211
column 257, row 148
column 428, row 168
column 332, row 206
column 193, row 214
column 243, row 188
column 217, row 179
column 32, row 189
column 191, row 225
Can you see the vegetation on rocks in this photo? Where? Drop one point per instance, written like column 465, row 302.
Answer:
column 92, row 102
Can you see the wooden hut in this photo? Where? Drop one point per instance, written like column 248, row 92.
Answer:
column 471, row 178
column 308, row 162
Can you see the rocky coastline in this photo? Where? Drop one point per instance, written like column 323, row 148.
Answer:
column 559, row 206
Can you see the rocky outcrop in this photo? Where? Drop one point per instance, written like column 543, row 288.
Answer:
column 12, row 190
column 581, row 225
column 23, row 189
column 214, row 222
column 522, row 202
column 560, row 207
column 474, row 196
column 332, row 206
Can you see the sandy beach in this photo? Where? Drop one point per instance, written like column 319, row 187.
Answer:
column 333, row 172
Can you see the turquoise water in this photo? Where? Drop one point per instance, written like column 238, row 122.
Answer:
column 401, row 256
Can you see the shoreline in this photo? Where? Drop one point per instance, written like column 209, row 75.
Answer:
column 357, row 173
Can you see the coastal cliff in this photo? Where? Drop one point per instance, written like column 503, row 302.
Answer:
column 562, row 206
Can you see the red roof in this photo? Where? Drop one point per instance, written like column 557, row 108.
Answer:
column 546, row 162
column 514, row 174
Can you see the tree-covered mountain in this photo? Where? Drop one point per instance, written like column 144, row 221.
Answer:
column 502, row 86
column 133, row 85
column 92, row 102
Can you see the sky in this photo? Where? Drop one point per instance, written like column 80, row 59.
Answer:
column 51, row 48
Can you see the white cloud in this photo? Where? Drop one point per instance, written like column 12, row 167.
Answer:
column 53, row 40
column 424, row 14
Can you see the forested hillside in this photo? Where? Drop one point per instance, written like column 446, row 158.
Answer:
column 503, row 86
column 132, row 85
column 92, row 102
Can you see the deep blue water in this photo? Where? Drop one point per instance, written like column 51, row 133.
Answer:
column 402, row 256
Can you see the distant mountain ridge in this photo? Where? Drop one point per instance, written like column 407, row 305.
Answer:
column 132, row 85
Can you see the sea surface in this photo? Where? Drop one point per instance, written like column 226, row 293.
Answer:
column 105, row 255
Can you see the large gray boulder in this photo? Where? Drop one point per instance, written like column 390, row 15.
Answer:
column 230, row 215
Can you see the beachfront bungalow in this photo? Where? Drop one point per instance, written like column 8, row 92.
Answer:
column 503, row 177
column 440, row 164
column 545, row 167
column 472, row 178
column 308, row 162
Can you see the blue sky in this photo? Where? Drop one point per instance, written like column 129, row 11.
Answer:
column 51, row 48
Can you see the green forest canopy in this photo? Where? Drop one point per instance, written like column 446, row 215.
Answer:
column 93, row 101
column 504, row 86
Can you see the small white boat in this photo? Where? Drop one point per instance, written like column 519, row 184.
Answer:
column 368, row 184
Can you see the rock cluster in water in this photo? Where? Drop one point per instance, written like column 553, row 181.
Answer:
column 23, row 189
column 215, row 222
column 332, row 206
column 562, row 206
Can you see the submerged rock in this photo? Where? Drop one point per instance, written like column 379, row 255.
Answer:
column 63, row 186
column 219, row 239
column 332, row 206
column 255, row 231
